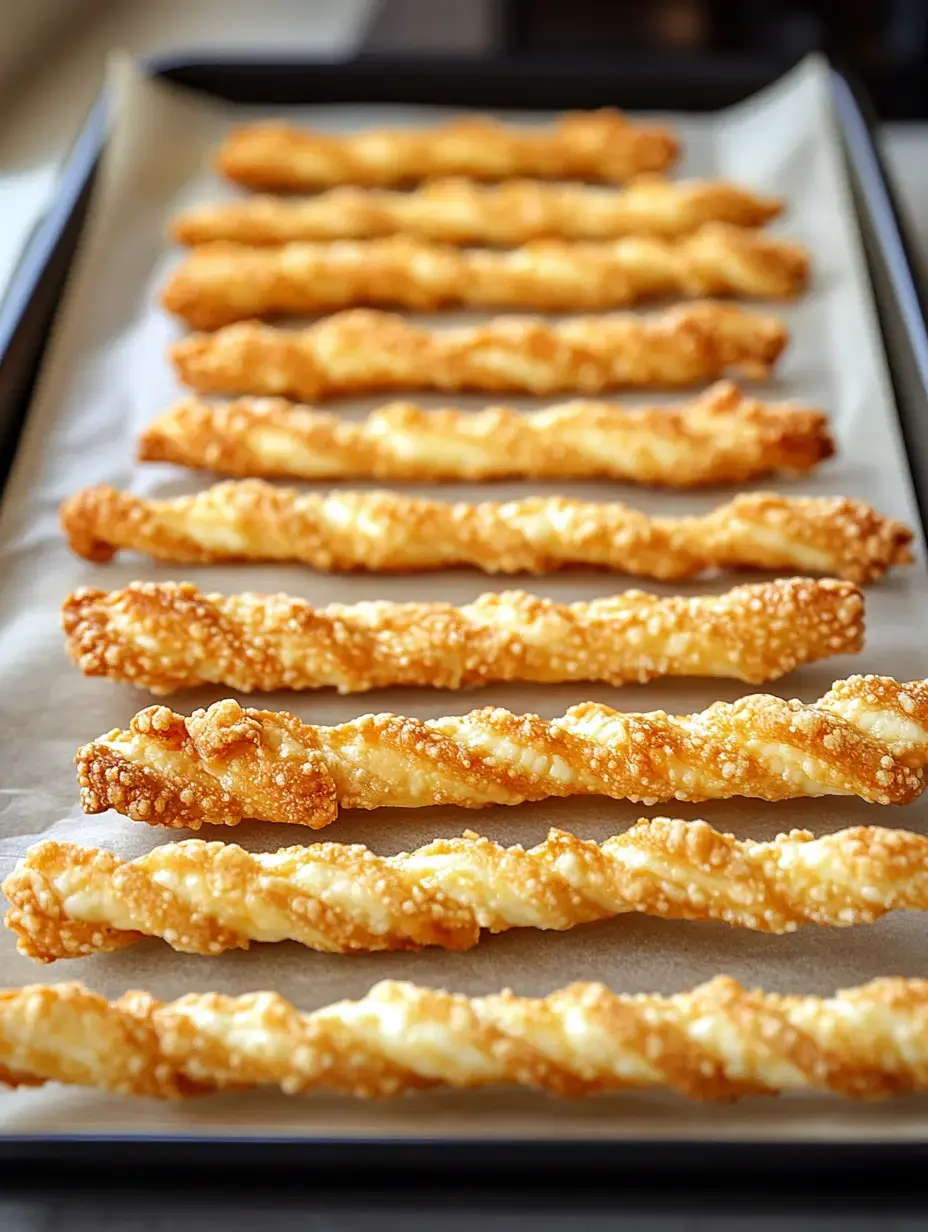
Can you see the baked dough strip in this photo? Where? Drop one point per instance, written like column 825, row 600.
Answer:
column 69, row 901
column 390, row 532
column 220, row 283
column 867, row 737
column 458, row 211
column 171, row 636
column 600, row 146
column 718, row 1041
column 363, row 350
column 721, row 437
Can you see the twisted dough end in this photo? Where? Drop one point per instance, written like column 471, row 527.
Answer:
column 185, row 782
column 719, row 1041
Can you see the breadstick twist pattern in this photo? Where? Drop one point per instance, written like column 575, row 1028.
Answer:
column 221, row 282
column 721, row 437
column 458, row 211
column 388, row 532
column 171, row 636
column 719, row 1041
column 203, row 898
column 597, row 146
column 867, row 737
column 359, row 350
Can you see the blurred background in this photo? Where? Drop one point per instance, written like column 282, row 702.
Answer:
column 53, row 54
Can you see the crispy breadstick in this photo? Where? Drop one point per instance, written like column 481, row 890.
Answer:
column 172, row 636
column 867, row 737
column 595, row 145
column 722, row 436
column 360, row 350
column 388, row 532
column 68, row 901
column 221, row 282
column 719, row 1041
column 458, row 211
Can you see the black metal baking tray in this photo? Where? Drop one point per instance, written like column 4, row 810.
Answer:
column 26, row 317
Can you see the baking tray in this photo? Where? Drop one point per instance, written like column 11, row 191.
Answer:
column 25, row 319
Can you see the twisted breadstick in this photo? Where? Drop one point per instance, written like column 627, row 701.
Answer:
column 385, row 531
column 867, row 737
column 170, row 636
column 595, row 145
column 203, row 898
column 458, row 211
column 722, row 436
column 719, row 1041
column 221, row 282
column 365, row 350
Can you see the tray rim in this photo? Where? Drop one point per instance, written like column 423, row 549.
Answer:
column 148, row 1154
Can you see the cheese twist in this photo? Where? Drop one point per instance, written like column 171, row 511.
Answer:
column 458, row 211
column 867, row 737
column 721, row 437
column 388, row 532
column 203, row 898
column 362, row 350
column 172, row 636
column 594, row 145
column 719, row 1041
column 221, row 282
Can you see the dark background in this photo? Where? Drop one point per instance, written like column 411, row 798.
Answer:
column 885, row 44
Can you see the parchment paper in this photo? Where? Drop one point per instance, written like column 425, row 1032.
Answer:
column 107, row 376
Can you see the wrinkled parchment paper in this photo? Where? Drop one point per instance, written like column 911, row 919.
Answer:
column 107, row 375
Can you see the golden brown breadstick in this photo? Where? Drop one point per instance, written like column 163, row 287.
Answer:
column 458, row 211
column 68, row 901
column 360, row 350
column 719, row 1041
column 221, row 282
column 171, row 636
column 722, row 436
column 594, row 145
column 388, row 532
column 867, row 737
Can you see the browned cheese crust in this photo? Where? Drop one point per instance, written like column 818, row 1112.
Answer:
column 459, row 211
column 69, row 901
column 719, row 1041
column 171, row 636
column 598, row 146
column 388, row 532
column 222, row 282
column 721, row 437
column 361, row 349
column 867, row 737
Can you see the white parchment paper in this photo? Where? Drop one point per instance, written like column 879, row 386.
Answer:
column 107, row 376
